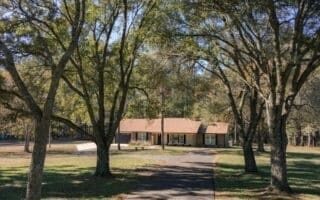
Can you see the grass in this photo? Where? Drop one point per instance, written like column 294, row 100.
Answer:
column 67, row 174
column 169, row 150
column 303, row 172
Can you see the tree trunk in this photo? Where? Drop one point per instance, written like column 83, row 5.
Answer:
column 279, row 167
column 260, row 141
column 118, row 136
column 313, row 143
column 316, row 138
column 279, row 141
column 103, row 161
column 27, row 136
column 299, row 136
column 50, row 138
column 294, row 139
column 37, row 160
column 249, row 159
column 235, row 135
column 302, row 140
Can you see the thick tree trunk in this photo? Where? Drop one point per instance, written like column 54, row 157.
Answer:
column 41, row 140
column 279, row 167
column 249, row 159
column 37, row 160
column 279, row 141
column 103, row 161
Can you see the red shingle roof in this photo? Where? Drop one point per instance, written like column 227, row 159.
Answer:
column 171, row 125
column 218, row 128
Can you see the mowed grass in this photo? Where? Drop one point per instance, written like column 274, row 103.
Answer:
column 155, row 150
column 68, row 175
column 303, row 173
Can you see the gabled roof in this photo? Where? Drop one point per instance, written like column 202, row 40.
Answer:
column 218, row 128
column 171, row 125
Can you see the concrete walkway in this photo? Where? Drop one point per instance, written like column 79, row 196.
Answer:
column 188, row 176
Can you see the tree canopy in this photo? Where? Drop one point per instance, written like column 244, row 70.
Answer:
column 95, row 62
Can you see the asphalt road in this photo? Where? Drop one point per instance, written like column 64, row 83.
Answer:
column 188, row 176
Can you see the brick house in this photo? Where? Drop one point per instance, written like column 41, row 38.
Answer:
column 178, row 131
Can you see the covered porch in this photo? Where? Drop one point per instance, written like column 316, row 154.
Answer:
column 169, row 138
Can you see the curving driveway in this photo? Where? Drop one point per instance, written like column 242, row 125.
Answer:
column 188, row 176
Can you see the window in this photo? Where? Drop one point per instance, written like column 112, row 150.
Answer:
column 176, row 139
column 142, row 137
column 210, row 139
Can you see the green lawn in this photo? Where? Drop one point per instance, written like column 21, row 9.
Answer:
column 155, row 150
column 67, row 174
column 303, row 173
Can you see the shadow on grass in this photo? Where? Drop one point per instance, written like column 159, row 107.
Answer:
column 303, row 175
column 303, row 155
column 20, row 154
column 71, row 181
column 68, row 181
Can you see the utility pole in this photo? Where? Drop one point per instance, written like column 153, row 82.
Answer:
column 162, row 117
column 118, row 138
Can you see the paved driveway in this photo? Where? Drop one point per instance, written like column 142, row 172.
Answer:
column 188, row 176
